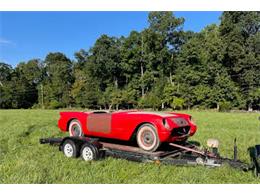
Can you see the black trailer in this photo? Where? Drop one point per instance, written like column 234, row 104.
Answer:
column 183, row 154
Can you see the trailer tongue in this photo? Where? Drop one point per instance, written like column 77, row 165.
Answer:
column 175, row 154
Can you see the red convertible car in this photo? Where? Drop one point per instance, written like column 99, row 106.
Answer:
column 149, row 129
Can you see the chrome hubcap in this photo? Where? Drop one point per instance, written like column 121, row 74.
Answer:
column 68, row 150
column 148, row 138
column 87, row 154
column 76, row 130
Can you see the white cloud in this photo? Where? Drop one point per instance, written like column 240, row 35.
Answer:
column 5, row 42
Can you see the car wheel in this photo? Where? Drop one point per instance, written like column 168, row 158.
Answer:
column 89, row 152
column 147, row 138
column 75, row 128
column 70, row 149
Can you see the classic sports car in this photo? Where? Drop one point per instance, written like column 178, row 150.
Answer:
column 149, row 129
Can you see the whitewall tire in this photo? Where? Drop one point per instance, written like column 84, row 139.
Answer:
column 147, row 138
column 75, row 128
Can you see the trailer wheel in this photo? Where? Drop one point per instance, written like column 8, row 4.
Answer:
column 70, row 149
column 75, row 128
column 89, row 152
column 147, row 138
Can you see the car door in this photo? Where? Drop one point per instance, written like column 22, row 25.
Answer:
column 99, row 124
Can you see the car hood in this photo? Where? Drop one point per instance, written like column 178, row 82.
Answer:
column 161, row 114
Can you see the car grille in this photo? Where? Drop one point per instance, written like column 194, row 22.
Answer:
column 180, row 131
column 181, row 122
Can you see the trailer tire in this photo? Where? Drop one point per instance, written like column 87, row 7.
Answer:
column 70, row 149
column 147, row 137
column 89, row 152
column 75, row 128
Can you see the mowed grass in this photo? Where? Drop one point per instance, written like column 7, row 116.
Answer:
column 24, row 160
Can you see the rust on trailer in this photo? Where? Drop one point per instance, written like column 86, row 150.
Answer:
column 171, row 153
column 176, row 152
column 130, row 149
column 203, row 153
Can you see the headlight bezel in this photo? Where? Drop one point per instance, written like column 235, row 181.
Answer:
column 166, row 124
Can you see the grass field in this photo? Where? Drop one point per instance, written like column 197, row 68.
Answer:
column 24, row 160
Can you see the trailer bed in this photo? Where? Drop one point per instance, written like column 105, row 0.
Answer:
column 185, row 154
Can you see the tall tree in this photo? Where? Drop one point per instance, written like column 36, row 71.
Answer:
column 200, row 72
column 133, row 60
column 58, row 80
column 170, row 30
column 240, row 32
column 5, row 90
column 104, row 61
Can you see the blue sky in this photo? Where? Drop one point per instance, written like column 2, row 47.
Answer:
column 28, row 35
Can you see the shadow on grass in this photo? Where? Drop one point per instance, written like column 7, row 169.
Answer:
column 3, row 148
column 196, row 143
column 28, row 132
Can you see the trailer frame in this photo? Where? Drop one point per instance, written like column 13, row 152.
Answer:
column 178, row 154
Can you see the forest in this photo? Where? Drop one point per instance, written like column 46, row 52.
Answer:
column 161, row 67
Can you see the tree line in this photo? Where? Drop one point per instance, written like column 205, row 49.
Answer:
column 160, row 67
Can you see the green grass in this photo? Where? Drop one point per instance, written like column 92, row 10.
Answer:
column 24, row 160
